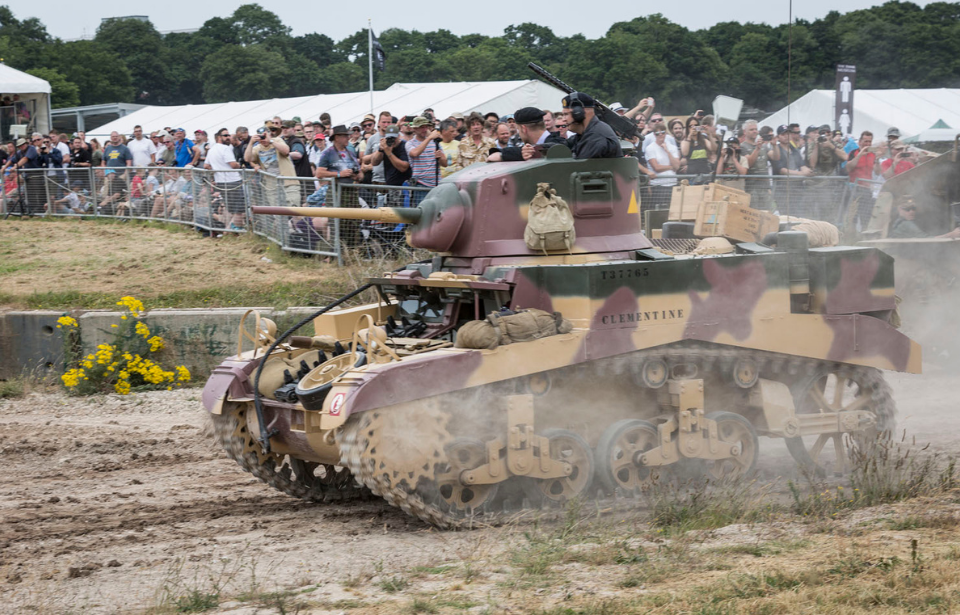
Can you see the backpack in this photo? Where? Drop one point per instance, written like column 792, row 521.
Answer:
column 549, row 222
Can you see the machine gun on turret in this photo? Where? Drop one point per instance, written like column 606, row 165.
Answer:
column 624, row 128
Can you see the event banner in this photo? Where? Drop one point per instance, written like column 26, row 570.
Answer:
column 843, row 108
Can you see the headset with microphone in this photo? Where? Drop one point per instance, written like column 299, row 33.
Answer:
column 576, row 108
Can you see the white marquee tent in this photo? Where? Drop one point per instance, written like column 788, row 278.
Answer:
column 34, row 92
column 912, row 111
column 400, row 99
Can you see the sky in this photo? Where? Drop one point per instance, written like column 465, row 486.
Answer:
column 69, row 19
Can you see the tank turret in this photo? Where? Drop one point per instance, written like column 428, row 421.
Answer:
column 481, row 211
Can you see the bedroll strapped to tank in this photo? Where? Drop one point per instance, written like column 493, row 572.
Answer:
column 549, row 222
column 502, row 329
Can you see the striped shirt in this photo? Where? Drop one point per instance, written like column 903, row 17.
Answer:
column 425, row 165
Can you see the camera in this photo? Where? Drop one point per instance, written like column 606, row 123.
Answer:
column 391, row 141
column 822, row 138
column 767, row 137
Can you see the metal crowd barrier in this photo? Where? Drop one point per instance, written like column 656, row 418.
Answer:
column 216, row 202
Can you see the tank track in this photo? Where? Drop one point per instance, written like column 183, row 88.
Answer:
column 354, row 438
column 230, row 430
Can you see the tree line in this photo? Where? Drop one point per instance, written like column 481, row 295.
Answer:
column 252, row 55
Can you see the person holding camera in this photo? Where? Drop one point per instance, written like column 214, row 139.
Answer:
column 392, row 153
column 730, row 162
column 338, row 161
column 758, row 148
column 272, row 154
column 901, row 160
column 27, row 159
column 696, row 147
column 664, row 158
column 823, row 158
column 863, row 163
column 425, row 157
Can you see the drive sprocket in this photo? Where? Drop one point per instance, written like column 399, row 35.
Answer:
column 307, row 480
column 402, row 456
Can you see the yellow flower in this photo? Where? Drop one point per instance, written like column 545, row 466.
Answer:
column 124, row 317
column 141, row 329
column 114, row 326
column 67, row 321
column 156, row 343
column 183, row 374
column 122, row 387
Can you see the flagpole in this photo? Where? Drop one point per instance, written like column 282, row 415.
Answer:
column 370, row 59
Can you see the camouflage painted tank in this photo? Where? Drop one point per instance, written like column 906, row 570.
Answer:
column 669, row 359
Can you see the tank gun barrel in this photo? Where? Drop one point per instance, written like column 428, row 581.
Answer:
column 409, row 215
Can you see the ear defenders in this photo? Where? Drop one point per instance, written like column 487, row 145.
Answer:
column 576, row 108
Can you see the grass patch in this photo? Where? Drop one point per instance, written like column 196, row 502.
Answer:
column 12, row 389
column 703, row 504
column 394, row 584
column 761, row 549
column 420, row 605
column 881, row 472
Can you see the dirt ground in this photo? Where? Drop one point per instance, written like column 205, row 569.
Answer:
column 43, row 256
column 123, row 504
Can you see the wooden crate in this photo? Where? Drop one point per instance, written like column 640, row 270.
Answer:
column 733, row 221
column 686, row 199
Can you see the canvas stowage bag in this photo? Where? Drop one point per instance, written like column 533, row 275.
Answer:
column 499, row 330
column 549, row 222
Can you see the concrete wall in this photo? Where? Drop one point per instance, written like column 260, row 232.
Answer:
column 30, row 342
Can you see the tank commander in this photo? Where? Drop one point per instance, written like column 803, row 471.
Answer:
column 904, row 226
column 533, row 132
column 592, row 138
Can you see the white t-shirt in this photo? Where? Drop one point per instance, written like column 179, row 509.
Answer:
column 65, row 152
column 655, row 152
column 219, row 158
column 141, row 149
column 650, row 138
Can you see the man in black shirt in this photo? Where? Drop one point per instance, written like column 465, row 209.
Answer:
column 393, row 153
column 533, row 133
column 593, row 138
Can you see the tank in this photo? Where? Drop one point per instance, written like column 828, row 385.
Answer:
column 664, row 361
column 927, row 268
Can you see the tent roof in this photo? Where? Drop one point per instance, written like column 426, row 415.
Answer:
column 13, row 81
column 912, row 111
column 400, row 99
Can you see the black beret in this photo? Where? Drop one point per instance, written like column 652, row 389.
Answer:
column 585, row 99
column 528, row 115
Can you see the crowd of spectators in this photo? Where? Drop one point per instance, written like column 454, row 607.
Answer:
column 154, row 174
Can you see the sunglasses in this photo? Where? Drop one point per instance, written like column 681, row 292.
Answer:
column 794, row 132
column 909, row 208
column 354, row 130
column 660, row 132
column 368, row 125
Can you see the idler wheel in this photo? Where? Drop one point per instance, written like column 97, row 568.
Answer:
column 840, row 390
column 740, row 436
column 571, row 448
column 314, row 387
column 617, row 449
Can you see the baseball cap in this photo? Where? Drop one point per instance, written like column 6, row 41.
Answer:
column 811, row 128
column 392, row 131
column 893, row 131
column 507, row 118
column 782, row 128
column 179, row 130
column 288, row 123
column 319, row 136
column 585, row 99
column 528, row 115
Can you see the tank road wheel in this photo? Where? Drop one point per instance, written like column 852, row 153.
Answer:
column 738, row 431
column 617, row 452
column 745, row 373
column 841, row 389
column 316, row 482
column 572, row 448
column 463, row 454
